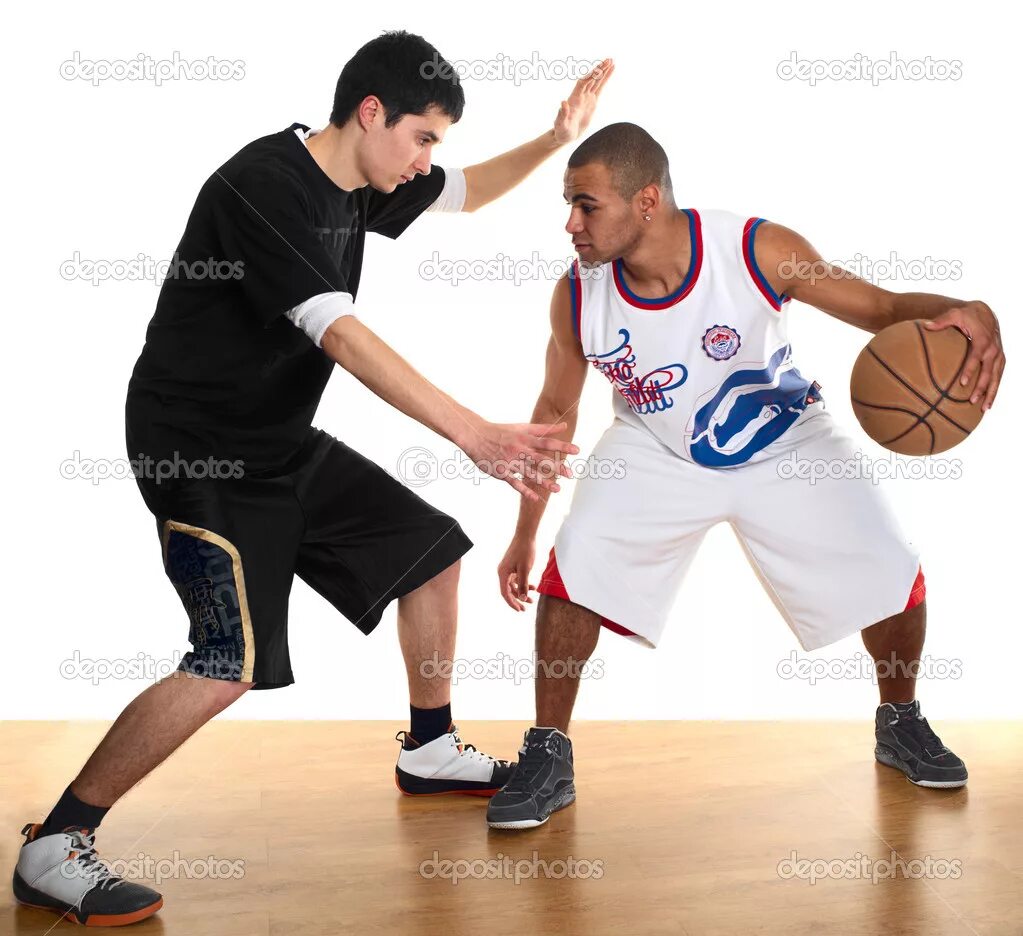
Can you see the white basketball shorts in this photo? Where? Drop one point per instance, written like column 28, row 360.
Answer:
column 829, row 551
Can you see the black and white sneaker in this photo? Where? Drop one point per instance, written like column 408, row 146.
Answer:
column 542, row 783
column 62, row 873
column 905, row 741
column 447, row 765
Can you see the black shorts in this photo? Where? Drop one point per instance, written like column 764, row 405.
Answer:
column 231, row 548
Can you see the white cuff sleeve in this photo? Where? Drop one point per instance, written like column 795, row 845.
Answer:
column 316, row 315
column 452, row 196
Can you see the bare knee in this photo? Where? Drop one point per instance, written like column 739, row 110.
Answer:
column 220, row 693
column 553, row 610
column 565, row 628
column 914, row 617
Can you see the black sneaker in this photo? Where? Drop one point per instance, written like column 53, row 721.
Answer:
column 905, row 741
column 61, row 872
column 543, row 782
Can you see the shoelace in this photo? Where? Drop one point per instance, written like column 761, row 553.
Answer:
column 532, row 758
column 472, row 750
column 90, row 864
column 922, row 732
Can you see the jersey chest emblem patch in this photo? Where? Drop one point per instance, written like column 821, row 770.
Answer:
column 721, row 342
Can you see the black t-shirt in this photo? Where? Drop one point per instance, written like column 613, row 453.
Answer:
column 223, row 373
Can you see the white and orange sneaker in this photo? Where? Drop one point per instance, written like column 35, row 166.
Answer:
column 447, row 765
column 62, row 873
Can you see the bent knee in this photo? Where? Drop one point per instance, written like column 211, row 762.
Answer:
column 444, row 579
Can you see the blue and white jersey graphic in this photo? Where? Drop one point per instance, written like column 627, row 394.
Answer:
column 708, row 369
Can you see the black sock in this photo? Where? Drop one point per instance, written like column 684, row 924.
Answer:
column 428, row 724
column 71, row 811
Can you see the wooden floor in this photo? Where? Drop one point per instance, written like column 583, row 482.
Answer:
column 680, row 827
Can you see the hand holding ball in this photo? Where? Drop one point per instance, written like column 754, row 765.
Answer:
column 906, row 392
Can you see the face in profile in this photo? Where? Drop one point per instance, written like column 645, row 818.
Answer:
column 602, row 224
column 392, row 156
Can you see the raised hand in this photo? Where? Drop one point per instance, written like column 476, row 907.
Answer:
column 575, row 113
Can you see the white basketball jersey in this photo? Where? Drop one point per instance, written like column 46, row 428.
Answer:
column 708, row 370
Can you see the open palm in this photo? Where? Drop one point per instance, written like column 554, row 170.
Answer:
column 575, row 113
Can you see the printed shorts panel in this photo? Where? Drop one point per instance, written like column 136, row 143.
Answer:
column 206, row 571
column 232, row 547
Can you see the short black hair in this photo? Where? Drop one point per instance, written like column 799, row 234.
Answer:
column 633, row 157
column 405, row 72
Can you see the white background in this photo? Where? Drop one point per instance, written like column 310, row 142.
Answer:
column 922, row 168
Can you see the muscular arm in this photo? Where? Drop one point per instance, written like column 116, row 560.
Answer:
column 558, row 402
column 793, row 266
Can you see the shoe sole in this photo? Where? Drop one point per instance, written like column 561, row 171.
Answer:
column 886, row 757
column 25, row 896
column 567, row 799
column 416, row 786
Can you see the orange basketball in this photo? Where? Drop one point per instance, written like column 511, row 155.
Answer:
column 906, row 392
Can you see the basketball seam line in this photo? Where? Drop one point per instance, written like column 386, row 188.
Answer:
column 899, row 409
column 932, row 407
column 934, row 382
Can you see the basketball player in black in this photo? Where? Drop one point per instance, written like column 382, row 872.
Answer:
column 258, row 309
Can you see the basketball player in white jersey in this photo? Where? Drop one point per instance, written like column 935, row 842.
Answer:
column 684, row 312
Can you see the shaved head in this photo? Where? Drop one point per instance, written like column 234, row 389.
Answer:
column 633, row 158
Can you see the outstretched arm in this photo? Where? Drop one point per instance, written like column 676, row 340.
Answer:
column 793, row 266
column 489, row 180
column 502, row 451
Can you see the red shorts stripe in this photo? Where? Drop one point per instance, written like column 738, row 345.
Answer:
column 550, row 581
column 551, row 584
column 918, row 592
